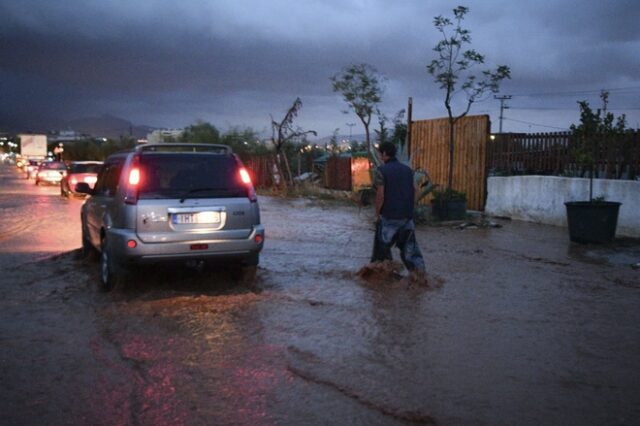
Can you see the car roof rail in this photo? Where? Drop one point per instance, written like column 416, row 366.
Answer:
column 184, row 147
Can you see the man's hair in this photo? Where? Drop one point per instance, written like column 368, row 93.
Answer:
column 387, row 148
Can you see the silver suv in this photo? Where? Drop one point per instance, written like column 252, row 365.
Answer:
column 171, row 202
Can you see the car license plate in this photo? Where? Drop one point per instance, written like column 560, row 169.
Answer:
column 195, row 218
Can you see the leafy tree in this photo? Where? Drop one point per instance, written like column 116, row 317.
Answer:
column 334, row 145
column 201, row 132
column 243, row 142
column 112, row 146
column 382, row 134
column 397, row 134
column 361, row 87
column 595, row 130
column 453, row 69
column 283, row 132
column 84, row 150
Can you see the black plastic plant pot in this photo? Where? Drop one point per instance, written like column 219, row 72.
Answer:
column 592, row 222
column 449, row 209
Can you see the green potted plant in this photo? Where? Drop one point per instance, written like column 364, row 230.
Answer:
column 449, row 204
column 593, row 220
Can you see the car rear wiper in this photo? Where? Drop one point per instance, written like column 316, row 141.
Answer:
column 195, row 190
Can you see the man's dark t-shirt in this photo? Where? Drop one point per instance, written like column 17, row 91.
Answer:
column 397, row 179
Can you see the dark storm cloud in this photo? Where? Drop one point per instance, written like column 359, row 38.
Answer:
column 169, row 63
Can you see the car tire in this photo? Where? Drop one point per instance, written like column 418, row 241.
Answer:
column 252, row 260
column 111, row 275
column 89, row 252
column 246, row 272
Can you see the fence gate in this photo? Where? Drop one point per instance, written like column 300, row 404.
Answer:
column 337, row 173
column 430, row 151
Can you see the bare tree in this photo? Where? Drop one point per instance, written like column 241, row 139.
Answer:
column 454, row 65
column 283, row 132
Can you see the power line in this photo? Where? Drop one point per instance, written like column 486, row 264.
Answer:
column 536, row 124
column 579, row 92
column 569, row 109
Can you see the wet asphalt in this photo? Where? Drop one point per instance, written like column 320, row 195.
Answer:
column 517, row 326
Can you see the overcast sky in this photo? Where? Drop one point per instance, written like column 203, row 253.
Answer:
column 168, row 63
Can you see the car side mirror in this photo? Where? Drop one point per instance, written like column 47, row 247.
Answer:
column 84, row 188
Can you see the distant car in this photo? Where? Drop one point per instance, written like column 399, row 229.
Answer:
column 79, row 171
column 50, row 172
column 31, row 168
column 171, row 203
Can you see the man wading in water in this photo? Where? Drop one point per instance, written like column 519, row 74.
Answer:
column 394, row 213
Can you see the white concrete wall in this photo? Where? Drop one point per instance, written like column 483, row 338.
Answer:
column 541, row 199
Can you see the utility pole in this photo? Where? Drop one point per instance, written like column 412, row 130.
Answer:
column 502, row 107
column 350, row 126
column 409, row 119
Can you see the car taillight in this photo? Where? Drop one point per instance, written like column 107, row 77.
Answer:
column 134, row 177
column 246, row 180
column 74, row 181
column 133, row 181
column 244, row 175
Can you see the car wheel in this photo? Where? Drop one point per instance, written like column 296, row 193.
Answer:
column 111, row 276
column 248, row 274
column 88, row 251
column 247, row 270
column 252, row 260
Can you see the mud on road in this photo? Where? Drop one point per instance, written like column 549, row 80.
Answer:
column 523, row 328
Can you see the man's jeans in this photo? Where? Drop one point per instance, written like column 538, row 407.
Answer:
column 400, row 232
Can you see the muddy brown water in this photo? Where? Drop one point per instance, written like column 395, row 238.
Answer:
column 524, row 328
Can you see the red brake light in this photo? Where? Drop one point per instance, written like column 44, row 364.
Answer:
column 244, row 175
column 133, row 180
column 246, row 179
column 134, row 177
column 74, row 181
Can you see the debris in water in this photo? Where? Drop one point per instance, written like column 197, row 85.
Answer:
column 418, row 279
column 389, row 273
column 385, row 271
column 479, row 223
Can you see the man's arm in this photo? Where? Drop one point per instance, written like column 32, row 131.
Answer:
column 379, row 200
column 379, row 185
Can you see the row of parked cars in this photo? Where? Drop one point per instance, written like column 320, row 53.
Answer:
column 66, row 175
column 164, row 204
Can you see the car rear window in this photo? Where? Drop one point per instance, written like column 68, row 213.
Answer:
column 85, row 168
column 53, row 166
column 196, row 175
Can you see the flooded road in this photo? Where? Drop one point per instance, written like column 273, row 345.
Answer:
column 518, row 327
